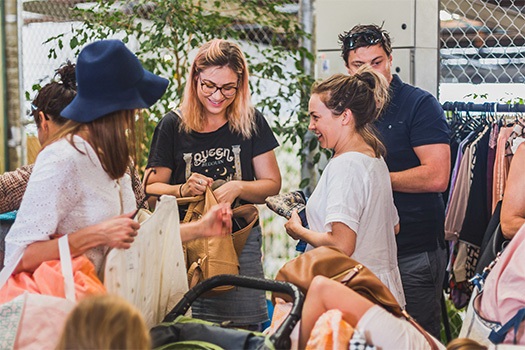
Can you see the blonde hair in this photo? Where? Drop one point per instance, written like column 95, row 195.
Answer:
column 365, row 93
column 240, row 113
column 113, row 137
column 104, row 322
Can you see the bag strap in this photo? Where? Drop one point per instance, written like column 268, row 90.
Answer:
column 498, row 336
column 8, row 270
column 67, row 268
column 355, row 270
column 479, row 279
column 431, row 342
column 65, row 263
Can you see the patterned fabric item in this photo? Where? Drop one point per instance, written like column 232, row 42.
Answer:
column 13, row 184
column 358, row 342
column 151, row 274
column 36, row 324
column 284, row 204
column 12, row 187
column 10, row 315
column 136, row 185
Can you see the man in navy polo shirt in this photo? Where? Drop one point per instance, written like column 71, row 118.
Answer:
column 416, row 135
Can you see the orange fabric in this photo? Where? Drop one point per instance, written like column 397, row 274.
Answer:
column 330, row 332
column 281, row 310
column 47, row 279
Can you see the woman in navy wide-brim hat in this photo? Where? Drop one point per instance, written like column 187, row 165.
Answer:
column 79, row 177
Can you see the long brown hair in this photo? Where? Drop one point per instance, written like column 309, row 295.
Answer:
column 240, row 113
column 113, row 137
column 365, row 93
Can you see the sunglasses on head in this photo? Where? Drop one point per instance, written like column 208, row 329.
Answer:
column 366, row 38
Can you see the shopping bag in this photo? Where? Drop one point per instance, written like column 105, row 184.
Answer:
column 209, row 256
column 35, row 321
column 474, row 326
column 151, row 274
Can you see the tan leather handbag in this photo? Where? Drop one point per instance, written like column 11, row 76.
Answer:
column 333, row 263
column 211, row 256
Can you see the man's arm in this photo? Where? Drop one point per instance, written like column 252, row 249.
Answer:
column 513, row 206
column 13, row 184
column 431, row 176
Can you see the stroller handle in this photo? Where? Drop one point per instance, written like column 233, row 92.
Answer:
column 281, row 337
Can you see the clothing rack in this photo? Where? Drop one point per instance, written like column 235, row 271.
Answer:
column 483, row 107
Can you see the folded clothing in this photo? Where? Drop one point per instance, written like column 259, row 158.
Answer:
column 284, row 204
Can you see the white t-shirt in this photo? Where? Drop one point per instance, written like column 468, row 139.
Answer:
column 355, row 189
column 67, row 191
column 385, row 331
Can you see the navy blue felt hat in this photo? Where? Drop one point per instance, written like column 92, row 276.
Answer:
column 111, row 78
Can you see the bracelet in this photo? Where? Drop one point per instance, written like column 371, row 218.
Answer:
column 180, row 190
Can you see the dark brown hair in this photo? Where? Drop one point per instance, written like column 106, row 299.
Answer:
column 385, row 42
column 113, row 137
column 56, row 95
column 365, row 93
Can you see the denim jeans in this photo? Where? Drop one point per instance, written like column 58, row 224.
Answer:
column 422, row 275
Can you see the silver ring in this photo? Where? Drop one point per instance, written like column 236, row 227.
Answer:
column 200, row 182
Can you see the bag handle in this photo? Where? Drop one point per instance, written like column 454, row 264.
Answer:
column 497, row 337
column 67, row 268
column 355, row 270
column 65, row 263
column 420, row 329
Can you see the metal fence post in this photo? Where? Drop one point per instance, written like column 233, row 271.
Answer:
column 306, row 18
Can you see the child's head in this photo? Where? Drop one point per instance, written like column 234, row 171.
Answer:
column 105, row 322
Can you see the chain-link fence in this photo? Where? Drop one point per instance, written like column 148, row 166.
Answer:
column 482, row 41
column 43, row 20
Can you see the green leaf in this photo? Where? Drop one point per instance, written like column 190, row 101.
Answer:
column 73, row 43
column 304, row 183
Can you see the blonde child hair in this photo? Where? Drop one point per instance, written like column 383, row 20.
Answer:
column 104, row 322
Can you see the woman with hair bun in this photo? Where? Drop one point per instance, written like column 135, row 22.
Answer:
column 352, row 207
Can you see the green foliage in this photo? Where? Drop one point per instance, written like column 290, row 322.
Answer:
column 164, row 33
column 455, row 321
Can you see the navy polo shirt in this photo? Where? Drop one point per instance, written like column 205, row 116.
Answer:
column 414, row 118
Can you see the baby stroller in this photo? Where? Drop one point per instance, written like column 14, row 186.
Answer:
column 180, row 332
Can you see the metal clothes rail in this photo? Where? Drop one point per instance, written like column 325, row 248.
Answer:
column 483, row 107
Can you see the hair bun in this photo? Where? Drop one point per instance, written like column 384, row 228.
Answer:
column 67, row 76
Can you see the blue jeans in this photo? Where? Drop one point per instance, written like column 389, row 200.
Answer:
column 422, row 275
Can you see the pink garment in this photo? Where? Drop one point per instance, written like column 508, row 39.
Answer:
column 501, row 166
column 503, row 292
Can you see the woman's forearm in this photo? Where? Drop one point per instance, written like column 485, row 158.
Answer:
column 38, row 252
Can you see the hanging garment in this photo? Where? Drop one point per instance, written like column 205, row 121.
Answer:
column 501, row 166
column 476, row 215
column 151, row 274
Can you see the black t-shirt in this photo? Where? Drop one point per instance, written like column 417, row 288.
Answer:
column 221, row 154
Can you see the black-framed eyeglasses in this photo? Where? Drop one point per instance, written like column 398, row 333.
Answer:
column 208, row 88
column 365, row 38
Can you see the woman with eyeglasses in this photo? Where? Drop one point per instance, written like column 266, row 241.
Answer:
column 216, row 134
